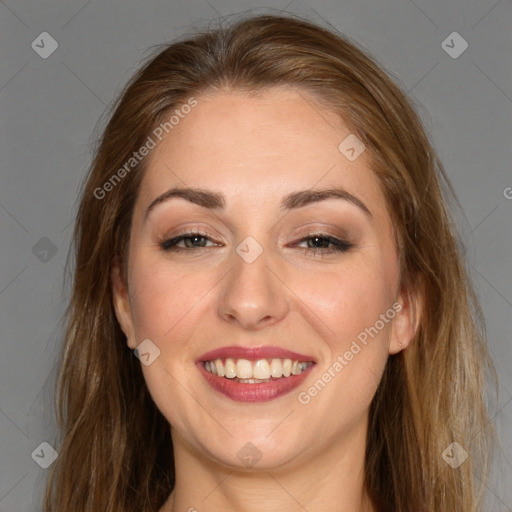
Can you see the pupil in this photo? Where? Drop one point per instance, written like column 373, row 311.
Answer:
column 194, row 239
column 318, row 241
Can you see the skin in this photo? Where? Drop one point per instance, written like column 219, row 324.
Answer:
column 255, row 150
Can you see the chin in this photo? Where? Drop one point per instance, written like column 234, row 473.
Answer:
column 253, row 457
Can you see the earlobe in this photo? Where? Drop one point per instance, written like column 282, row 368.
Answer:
column 121, row 301
column 406, row 321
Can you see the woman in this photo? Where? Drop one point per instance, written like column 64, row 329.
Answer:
column 264, row 228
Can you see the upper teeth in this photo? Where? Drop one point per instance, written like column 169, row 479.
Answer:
column 260, row 369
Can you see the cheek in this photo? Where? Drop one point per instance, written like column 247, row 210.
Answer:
column 164, row 300
column 351, row 298
column 353, row 310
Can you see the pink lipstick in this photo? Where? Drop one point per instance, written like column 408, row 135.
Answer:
column 254, row 374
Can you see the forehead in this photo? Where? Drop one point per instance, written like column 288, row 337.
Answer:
column 255, row 147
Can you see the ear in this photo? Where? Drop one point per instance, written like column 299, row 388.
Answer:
column 121, row 302
column 407, row 309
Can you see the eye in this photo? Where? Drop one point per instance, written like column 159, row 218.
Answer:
column 316, row 243
column 320, row 241
column 192, row 240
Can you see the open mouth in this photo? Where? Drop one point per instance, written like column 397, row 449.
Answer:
column 255, row 371
column 254, row 374
column 259, row 380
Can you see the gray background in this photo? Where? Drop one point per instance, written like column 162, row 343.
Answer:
column 51, row 110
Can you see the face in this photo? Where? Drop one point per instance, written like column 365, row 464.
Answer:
column 264, row 270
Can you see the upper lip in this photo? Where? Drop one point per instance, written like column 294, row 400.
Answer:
column 265, row 352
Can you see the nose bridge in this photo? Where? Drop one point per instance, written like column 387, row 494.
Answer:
column 252, row 296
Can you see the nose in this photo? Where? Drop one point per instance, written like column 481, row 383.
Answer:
column 254, row 295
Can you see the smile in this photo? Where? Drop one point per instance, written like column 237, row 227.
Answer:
column 254, row 374
column 251, row 372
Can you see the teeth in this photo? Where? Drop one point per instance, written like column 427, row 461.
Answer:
column 295, row 368
column 261, row 369
column 252, row 372
column 287, row 367
column 219, row 368
column 229, row 368
column 244, row 369
column 276, row 368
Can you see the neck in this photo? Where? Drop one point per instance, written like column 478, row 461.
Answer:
column 330, row 480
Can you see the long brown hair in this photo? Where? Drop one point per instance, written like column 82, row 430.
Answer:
column 115, row 446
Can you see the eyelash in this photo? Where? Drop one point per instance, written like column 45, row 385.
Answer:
column 339, row 246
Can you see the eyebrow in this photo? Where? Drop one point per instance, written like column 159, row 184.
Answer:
column 215, row 200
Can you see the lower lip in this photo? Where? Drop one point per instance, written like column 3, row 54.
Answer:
column 261, row 392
